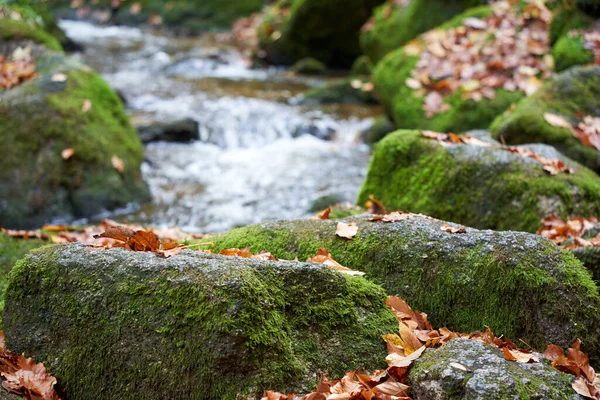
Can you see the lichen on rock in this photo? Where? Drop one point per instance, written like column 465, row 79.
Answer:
column 468, row 369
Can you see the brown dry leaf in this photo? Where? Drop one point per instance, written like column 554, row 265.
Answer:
column 244, row 253
column 323, row 257
column 58, row 77
column 392, row 388
column 557, row 120
column 459, row 366
column 67, row 153
column 170, row 249
column 121, row 233
column 397, row 360
column 449, row 229
column 375, row 206
column 87, row 105
column 347, row 231
column 144, row 241
column 393, row 217
column 324, row 215
column 117, row 164
column 135, row 8
column 23, row 234
column 264, row 256
column 522, row 356
column 582, row 387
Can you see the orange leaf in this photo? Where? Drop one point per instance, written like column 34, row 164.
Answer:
column 347, row 231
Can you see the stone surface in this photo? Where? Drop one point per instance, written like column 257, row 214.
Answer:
column 115, row 324
column 521, row 285
column 489, row 376
column 45, row 116
column 183, row 131
column 483, row 187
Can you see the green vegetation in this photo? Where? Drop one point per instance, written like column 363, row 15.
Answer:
column 521, row 285
column 569, row 94
column 117, row 324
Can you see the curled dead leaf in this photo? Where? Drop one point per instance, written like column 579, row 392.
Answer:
column 347, row 231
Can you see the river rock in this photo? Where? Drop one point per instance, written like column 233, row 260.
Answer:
column 309, row 66
column 521, row 285
column 485, row 375
column 405, row 105
column 484, row 187
column 115, row 324
column 184, row 131
column 570, row 95
column 395, row 23
column 71, row 151
column 325, row 30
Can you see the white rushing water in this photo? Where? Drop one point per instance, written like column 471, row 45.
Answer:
column 252, row 163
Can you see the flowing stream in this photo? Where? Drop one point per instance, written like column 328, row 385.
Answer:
column 259, row 155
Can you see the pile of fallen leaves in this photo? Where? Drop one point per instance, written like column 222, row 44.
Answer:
column 415, row 335
column 591, row 41
column 24, row 377
column 16, row 69
column 587, row 130
column 505, row 50
column 550, row 165
column 569, row 234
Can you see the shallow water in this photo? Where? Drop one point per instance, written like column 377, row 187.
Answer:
column 254, row 161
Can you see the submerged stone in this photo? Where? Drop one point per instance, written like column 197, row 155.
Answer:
column 572, row 95
column 483, row 373
column 115, row 324
column 483, row 187
column 521, row 285
column 344, row 90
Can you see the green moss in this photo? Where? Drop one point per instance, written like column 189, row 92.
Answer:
column 396, row 25
column 14, row 30
column 41, row 118
column 568, row 49
column 309, row 66
column 327, row 31
column 411, row 173
column 570, row 93
column 11, row 250
column 510, row 282
column 363, row 66
column 203, row 328
column 405, row 107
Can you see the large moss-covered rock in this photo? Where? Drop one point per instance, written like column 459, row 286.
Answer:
column 325, row 30
column 485, row 374
column 183, row 16
column 113, row 324
column 406, row 106
column 67, row 106
column 569, row 95
column 484, row 187
column 30, row 26
column 519, row 284
column 394, row 24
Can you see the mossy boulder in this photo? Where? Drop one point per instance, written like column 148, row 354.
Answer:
column 570, row 94
column 67, row 106
column 484, row 187
column 362, row 66
column 406, row 106
column 486, row 374
column 394, row 24
column 29, row 28
column 521, row 285
column 590, row 257
column 380, row 128
column 114, row 324
column 325, row 30
column 344, row 90
column 566, row 34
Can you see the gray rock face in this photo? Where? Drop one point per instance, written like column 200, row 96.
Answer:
column 489, row 376
column 114, row 324
column 184, row 131
column 519, row 284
